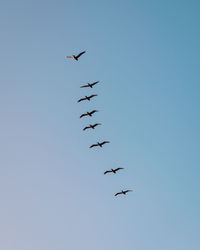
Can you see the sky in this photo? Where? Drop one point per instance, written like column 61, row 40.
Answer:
column 53, row 193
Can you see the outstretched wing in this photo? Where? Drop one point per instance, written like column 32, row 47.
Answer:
column 118, row 169
column 128, row 191
column 83, row 115
column 86, row 128
column 93, row 145
column 94, row 83
column 96, row 124
column 93, row 111
column 108, row 171
column 80, row 54
column 91, row 96
column 70, row 57
column 82, row 99
column 105, row 142
column 84, row 86
column 118, row 193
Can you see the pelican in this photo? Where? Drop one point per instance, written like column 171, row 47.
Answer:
column 92, row 126
column 89, row 85
column 123, row 192
column 99, row 144
column 86, row 98
column 112, row 170
column 89, row 113
column 76, row 57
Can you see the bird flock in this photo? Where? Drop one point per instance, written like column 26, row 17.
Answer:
column 93, row 126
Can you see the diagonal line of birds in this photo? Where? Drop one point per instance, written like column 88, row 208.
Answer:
column 93, row 126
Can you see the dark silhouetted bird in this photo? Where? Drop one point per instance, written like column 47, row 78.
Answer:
column 99, row 144
column 113, row 170
column 86, row 98
column 76, row 57
column 92, row 126
column 123, row 192
column 89, row 113
column 89, row 85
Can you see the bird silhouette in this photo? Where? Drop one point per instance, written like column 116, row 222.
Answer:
column 87, row 98
column 90, row 85
column 89, row 113
column 92, row 126
column 76, row 57
column 123, row 192
column 99, row 144
column 112, row 170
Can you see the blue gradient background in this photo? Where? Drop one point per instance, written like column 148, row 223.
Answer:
column 53, row 192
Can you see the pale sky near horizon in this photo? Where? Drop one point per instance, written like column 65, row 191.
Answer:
column 54, row 195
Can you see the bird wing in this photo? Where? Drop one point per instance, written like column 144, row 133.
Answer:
column 94, row 83
column 118, row 169
column 108, row 171
column 70, row 57
column 82, row 99
column 84, row 86
column 83, row 115
column 91, row 96
column 105, row 142
column 80, row 54
column 118, row 193
column 96, row 124
column 86, row 128
column 93, row 145
column 128, row 191
column 93, row 111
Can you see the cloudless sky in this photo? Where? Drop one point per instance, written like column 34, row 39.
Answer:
column 53, row 193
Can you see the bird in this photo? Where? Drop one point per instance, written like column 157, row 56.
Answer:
column 89, row 113
column 112, row 170
column 100, row 144
column 123, row 192
column 76, row 57
column 86, row 98
column 92, row 126
column 89, row 85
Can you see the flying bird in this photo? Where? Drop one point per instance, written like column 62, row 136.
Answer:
column 86, row 98
column 89, row 85
column 123, row 192
column 99, row 144
column 76, row 57
column 112, row 170
column 92, row 126
column 89, row 113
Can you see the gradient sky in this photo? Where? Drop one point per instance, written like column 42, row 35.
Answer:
column 53, row 193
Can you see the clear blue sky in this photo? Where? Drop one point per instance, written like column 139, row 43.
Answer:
column 53, row 193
